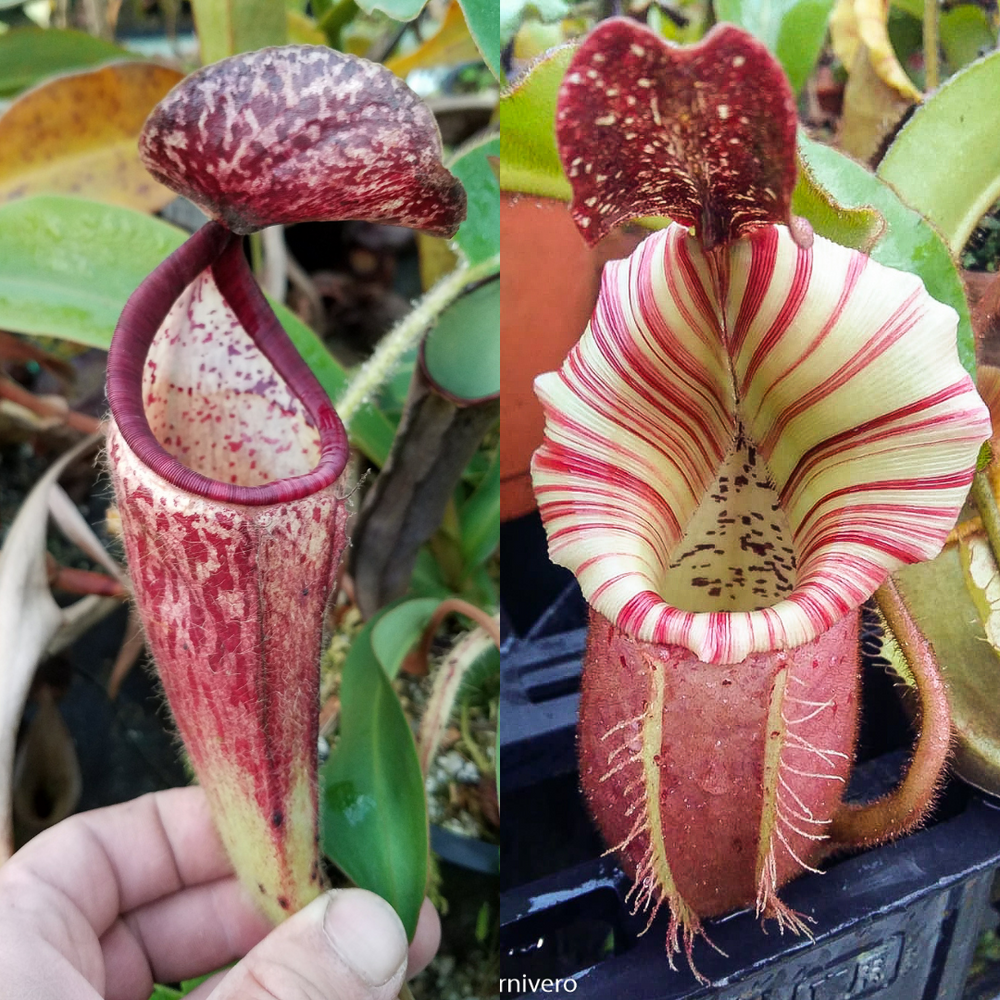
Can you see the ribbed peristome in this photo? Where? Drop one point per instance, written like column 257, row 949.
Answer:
column 745, row 443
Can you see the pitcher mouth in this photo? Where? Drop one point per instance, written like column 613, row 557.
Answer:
column 740, row 449
column 216, row 252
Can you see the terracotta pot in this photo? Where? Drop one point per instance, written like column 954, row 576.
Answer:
column 549, row 282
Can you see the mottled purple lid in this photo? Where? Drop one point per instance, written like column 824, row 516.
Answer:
column 302, row 133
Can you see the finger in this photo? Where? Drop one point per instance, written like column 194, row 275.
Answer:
column 192, row 932
column 119, row 858
column 346, row 945
column 422, row 949
column 426, row 940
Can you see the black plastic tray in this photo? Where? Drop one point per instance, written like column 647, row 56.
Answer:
column 897, row 923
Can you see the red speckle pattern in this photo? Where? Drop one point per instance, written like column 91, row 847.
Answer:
column 300, row 133
column 232, row 599
column 216, row 403
column 217, row 298
column 703, row 134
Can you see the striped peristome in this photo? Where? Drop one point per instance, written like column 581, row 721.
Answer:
column 746, row 442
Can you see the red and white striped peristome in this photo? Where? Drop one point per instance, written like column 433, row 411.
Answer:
column 746, row 442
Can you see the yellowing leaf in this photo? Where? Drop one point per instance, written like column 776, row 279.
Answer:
column 449, row 45
column 436, row 259
column 983, row 581
column 947, row 597
column 857, row 23
column 988, row 387
column 844, row 37
column 872, row 108
column 77, row 134
column 878, row 91
column 303, row 30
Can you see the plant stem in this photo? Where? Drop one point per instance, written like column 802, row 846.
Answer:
column 932, row 72
column 380, row 367
column 455, row 605
column 334, row 19
column 404, row 992
column 988, row 512
column 472, row 748
column 257, row 255
column 273, row 274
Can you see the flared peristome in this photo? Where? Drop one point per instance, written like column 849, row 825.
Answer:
column 746, row 442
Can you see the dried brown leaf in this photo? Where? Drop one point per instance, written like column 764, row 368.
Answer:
column 30, row 620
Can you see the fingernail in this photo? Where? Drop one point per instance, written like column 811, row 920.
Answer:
column 367, row 934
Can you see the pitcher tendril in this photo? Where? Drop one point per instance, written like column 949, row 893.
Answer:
column 756, row 427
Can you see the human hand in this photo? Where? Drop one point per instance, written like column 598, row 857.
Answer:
column 107, row 902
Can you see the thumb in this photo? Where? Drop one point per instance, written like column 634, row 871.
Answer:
column 346, row 945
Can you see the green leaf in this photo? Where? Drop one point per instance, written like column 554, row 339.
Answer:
column 332, row 16
column 793, row 30
column 915, row 8
column 906, row 39
column 965, row 34
column 398, row 10
column 373, row 810
column 526, row 117
column 68, row 266
column 910, row 243
column 962, row 118
column 427, row 579
column 480, row 589
column 479, row 517
column 937, row 596
column 226, row 27
column 161, row 992
column 858, row 228
column 303, row 30
column 371, row 430
column 189, row 984
column 398, row 629
column 481, row 680
column 484, row 26
column 462, row 352
column 29, row 55
column 479, row 235
column 513, row 12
